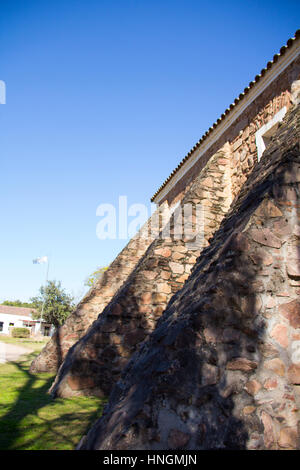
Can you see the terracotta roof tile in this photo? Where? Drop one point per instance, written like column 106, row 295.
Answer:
column 22, row 311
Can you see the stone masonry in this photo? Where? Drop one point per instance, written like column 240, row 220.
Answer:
column 95, row 363
column 221, row 370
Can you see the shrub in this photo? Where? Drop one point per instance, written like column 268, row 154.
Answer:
column 20, row 333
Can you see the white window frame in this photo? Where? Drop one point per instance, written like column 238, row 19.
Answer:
column 267, row 131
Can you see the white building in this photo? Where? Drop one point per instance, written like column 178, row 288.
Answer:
column 20, row 317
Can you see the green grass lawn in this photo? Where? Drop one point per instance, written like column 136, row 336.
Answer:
column 29, row 343
column 29, row 418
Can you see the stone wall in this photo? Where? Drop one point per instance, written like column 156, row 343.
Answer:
column 222, row 368
column 214, row 190
column 94, row 364
column 98, row 296
column 243, row 145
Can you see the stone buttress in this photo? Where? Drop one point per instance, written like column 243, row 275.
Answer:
column 221, row 370
column 95, row 363
column 98, row 296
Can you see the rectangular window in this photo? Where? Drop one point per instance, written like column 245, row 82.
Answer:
column 264, row 134
column 46, row 331
column 1, row 325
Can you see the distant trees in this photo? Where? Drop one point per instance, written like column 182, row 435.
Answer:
column 53, row 303
column 95, row 276
column 18, row 303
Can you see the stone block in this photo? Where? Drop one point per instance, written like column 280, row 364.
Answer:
column 80, row 383
column 241, row 363
column 178, row 439
column 288, row 438
column 270, row 384
column 159, row 298
column 291, row 311
column 280, row 334
column 176, row 268
column 252, row 387
column 237, row 144
column 165, row 252
column 275, row 365
column 266, row 237
column 209, row 374
column 294, row 374
column 269, row 431
column 293, row 268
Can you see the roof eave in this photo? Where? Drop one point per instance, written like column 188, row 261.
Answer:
column 227, row 113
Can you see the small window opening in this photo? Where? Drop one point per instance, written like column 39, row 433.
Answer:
column 266, row 132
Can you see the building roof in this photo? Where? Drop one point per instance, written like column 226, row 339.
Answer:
column 227, row 111
column 20, row 311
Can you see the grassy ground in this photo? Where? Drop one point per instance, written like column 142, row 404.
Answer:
column 29, row 418
column 29, row 343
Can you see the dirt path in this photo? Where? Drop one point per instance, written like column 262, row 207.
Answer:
column 11, row 352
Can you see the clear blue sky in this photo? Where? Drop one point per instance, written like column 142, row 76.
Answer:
column 104, row 98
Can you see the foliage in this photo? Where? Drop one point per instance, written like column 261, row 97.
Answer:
column 53, row 304
column 18, row 303
column 20, row 332
column 95, row 276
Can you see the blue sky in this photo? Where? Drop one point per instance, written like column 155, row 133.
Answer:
column 104, row 98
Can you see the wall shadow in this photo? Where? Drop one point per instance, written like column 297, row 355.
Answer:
column 191, row 384
column 180, row 371
column 30, row 400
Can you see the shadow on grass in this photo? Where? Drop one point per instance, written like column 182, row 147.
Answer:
column 33, row 420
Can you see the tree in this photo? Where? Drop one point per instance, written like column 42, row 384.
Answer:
column 18, row 303
column 95, row 276
column 53, row 303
